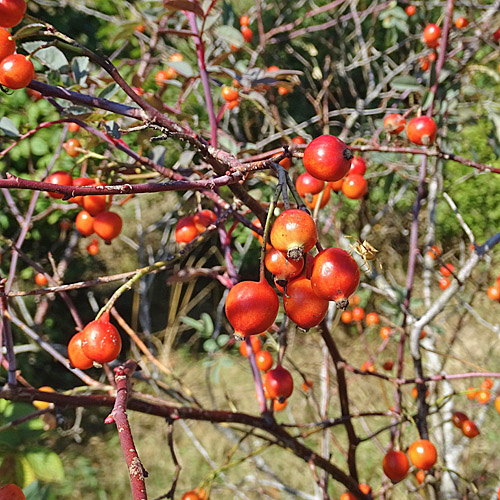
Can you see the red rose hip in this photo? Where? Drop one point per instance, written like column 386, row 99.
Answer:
column 327, row 158
column 294, row 232
column 335, row 276
column 251, row 307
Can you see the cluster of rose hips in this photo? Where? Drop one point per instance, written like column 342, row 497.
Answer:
column 422, row 453
column 245, row 29
column 328, row 160
column 170, row 73
column 98, row 342
column 421, row 130
column 462, row 422
column 94, row 218
column 189, row 227
column 16, row 70
column 483, row 394
column 446, row 269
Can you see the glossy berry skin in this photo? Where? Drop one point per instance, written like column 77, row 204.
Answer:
column 347, row 496
column 60, row 178
column 447, row 269
column 294, row 232
column 75, row 353
column 73, row 127
column 108, row 225
column 494, row 292
column 256, row 345
column 358, row 166
column 11, row 12
column 337, row 185
column 11, row 491
column 315, row 199
column 244, row 21
column 410, row 10
column 278, row 383
column 385, row 332
column 190, row 495
column 372, row 319
column 203, row 219
column 434, row 252
column 354, row 186
column 422, row 130
column 483, row 396
column 469, row 429
column 247, row 34
column 41, row 279
column 461, row 22
column 432, row 32
column 229, row 94
column 346, row 317
column 444, row 283
column 496, row 35
column 282, row 268
column 78, row 182
column 251, row 307
column 94, row 204
column 298, row 140
column 327, row 158
column 388, row 365
column 394, row 123
column 395, row 465
column 458, row 419
column 335, row 276
column 16, row 71
column 497, row 404
column 84, row 222
column 93, row 247
column 487, row 383
column 101, row 341
column 264, row 360
column 302, row 305
column 307, row 184
column 422, row 454
column 71, row 147
column 7, row 44
column 186, row 230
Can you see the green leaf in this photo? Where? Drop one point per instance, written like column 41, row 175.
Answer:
column 222, row 339
column 207, row 323
column 79, row 66
column 210, row 345
column 183, row 68
column 193, row 323
column 46, row 464
column 109, row 91
column 54, row 59
column 37, row 491
column 406, row 83
column 231, row 35
column 8, row 128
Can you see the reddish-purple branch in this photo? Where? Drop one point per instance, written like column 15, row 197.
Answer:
column 136, row 471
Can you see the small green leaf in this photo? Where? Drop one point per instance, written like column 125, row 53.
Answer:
column 405, row 83
column 183, row 68
column 210, row 345
column 208, row 323
column 46, row 464
column 54, row 59
column 109, row 91
column 230, row 35
column 193, row 323
column 79, row 66
column 8, row 128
